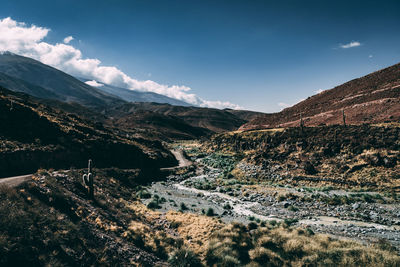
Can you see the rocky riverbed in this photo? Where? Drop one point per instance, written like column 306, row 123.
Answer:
column 364, row 216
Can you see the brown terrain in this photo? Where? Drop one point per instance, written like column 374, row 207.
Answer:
column 34, row 135
column 274, row 185
column 176, row 122
column 374, row 98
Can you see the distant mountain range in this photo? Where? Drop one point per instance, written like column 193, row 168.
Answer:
column 374, row 98
column 136, row 96
column 156, row 114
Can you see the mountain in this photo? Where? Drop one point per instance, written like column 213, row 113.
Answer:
column 164, row 118
column 135, row 96
column 210, row 119
column 374, row 98
column 27, row 75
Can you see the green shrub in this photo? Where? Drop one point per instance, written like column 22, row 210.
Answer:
column 290, row 221
column 292, row 208
column 210, row 212
column 153, row 205
column 144, row 194
column 183, row 206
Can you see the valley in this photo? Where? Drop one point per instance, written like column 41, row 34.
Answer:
column 193, row 186
column 362, row 215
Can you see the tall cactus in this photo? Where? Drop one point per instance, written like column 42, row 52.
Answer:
column 88, row 180
column 344, row 117
column 301, row 121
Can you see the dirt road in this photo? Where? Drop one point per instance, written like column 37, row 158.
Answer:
column 15, row 181
column 183, row 162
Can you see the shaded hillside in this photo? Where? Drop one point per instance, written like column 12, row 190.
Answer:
column 167, row 126
column 246, row 115
column 136, row 96
column 40, row 80
column 373, row 98
column 18, row 85
column 50, row 222
column 33, row 135
column 210, row 119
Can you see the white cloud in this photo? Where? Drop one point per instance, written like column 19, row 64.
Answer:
column 319, row 91
column 68, row 39
column 350, row 45
column 370, row 56
column 28, row 41
column 94, row 83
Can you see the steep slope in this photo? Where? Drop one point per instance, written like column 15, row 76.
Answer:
column 41, row 80
column 135, row 96
column 373, row 98
column 19, row 85
column 33, row 135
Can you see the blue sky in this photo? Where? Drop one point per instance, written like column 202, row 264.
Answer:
column 260, row 55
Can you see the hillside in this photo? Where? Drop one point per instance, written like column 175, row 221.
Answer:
column 163, row 126
column 373, row 98
column 32, row 77
column 246, row 115
column 348, row 157
column 34, row 135
column 211, row 120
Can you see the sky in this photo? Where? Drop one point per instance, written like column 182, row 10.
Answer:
column 256, row 55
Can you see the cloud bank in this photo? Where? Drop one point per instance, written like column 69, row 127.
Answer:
column 27, row 40
column 350, row 45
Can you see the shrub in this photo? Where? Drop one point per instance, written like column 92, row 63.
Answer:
column 153, row 205
column 184, row 258
column 210, row 212
column 292, row 208
column 144, row 194
column 290, row 221
column 183, row 206
column 309, row 168
column 227, row 207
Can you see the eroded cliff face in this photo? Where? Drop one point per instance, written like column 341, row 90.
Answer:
column 362, row 155
column 35, row 136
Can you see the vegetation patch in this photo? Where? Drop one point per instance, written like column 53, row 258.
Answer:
column 238, row 245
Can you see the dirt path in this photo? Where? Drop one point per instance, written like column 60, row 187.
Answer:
column 15, row 181
column 183, row 162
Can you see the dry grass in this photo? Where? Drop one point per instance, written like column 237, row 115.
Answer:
column 267, row 246
column 195, row 229
column 140, row 210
